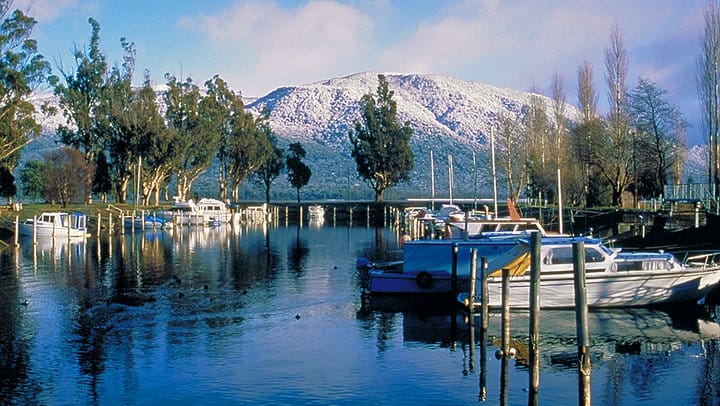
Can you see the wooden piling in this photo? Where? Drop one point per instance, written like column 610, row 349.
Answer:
column 35, row 230
column 484, row 295
column 534, row 338
column 473, row 279
column 505, row 339
column 454, row 278
column 581, row 316
column 17, row 231
column 99, row 224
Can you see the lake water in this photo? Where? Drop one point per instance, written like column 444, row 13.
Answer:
column 277, row 316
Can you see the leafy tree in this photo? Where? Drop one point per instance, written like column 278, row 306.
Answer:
column 115, row 123
column 65, row 174
column 380, row 146
column 298, row 172
column 33, row 178
column 80, row 96
column 227, row 107
column 22, row 69
column 249, row 147
column 158, row 144
column 272, row 166
column 7, row 184
column 191, row 118
column 102, row 182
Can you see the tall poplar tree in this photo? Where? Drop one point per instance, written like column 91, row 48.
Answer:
column 708, row 81
column 380, row 145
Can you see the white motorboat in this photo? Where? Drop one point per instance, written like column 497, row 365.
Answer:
column 205, row 212
column 613, row 278
column 55, row 224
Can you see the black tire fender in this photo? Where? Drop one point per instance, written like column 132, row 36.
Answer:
column 424, row 280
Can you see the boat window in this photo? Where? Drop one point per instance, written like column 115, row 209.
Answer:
column 593, row 255
column 564, row 255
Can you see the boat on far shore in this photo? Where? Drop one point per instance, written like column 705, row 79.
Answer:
column 205, row 212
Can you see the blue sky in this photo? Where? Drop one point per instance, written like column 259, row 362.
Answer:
column 260, row 45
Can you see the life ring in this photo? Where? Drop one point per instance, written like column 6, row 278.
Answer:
column 424, row 280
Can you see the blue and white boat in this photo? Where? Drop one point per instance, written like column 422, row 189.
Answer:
column 614, row 278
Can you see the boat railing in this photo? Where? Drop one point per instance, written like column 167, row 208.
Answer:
column 699, row 258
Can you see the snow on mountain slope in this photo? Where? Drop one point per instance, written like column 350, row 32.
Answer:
column 432, row 104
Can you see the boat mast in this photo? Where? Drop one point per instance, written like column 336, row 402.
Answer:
column 494, row 173
column 432, row 181
column 450, row 177
column 560, row 206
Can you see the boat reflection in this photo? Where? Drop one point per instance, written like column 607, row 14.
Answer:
column 636, row 331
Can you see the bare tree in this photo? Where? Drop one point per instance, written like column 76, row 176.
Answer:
column 587, row 97
column 512, row 154
column 537, row 139
column 616, row 162
column 708, row 81
column 657, row 123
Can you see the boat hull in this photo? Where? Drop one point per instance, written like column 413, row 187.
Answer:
column 622, row 289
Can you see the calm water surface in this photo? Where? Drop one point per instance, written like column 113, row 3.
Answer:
column 276, row 315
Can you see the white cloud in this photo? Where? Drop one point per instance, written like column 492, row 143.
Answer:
column 44, row 10
column 288, row 46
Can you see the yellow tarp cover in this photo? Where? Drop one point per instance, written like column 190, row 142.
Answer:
column 517, row 266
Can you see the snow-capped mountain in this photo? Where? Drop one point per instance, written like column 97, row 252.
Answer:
column 448, row 116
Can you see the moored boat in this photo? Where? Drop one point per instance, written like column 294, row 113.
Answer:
column 55, row 224
column 613, row 278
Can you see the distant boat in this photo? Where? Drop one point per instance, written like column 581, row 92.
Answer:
column 316, row 212
column 205, row 212
column 55, row 224
column 149, row 221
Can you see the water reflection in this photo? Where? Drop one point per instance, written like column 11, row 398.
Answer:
column 243, row 315
column 633, row 349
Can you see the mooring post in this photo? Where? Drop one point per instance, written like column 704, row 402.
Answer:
column 99, row 224
column 581, row 316
column 34, row 230
column 110, row 224
column 17, row 231
column 473, row 278
column 505, row 339
column 484, row 295
column 483, row 329
column 534, row 319
column 454, row 269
